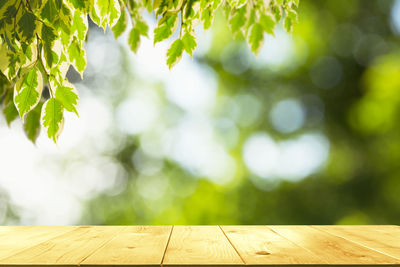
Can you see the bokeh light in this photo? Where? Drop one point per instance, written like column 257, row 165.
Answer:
column 225, row 137
column 287, row 115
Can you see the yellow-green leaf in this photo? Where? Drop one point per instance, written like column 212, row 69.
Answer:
column 28, row 91
column 32, row 123
column 165, row 28
column 52, row 118
column 9, row 110
column 268, row 23
column 134, row 39
column 256, row 38
column 189, row 43
column 121, row 24
column 174, row 53
column 67, row 95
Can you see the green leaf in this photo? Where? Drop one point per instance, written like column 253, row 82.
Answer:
column 206, row 17
column 9, row 109
column 189, row 43
column 64, row 33
column 108, row 11
column 277, row 11
column 50, row 56
column 290, row 19
column 80, row 5
column 160, row 6
column 174, row 53
column 95, row 18
column 203, row 4
column 142, row 27
column 77, row 56
column 28, row 91
column 27, row 26
column 237, row 3
column 10, row 45
column 165, row 28
column 237, row 19
column 32, row 123
column 48, row 36
column 4, row 59
column 27, row 49
column 217, row 3
column 104, row 6
column 66, row 13
column 49, row 11
column 52, row 118
column 9, row 14
column 9, row 62
column 4, row 84
column 251, row 17
column 134, row 39
column 149, row 5
column 121, row 24
column 268, row 23
column 4, row 5
column 80, row 25
column 67, row 95
column 115, row 12
column 256, row 37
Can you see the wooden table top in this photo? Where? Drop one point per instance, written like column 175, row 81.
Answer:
column 199, row 245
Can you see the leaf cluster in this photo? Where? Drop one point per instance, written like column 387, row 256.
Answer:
column 41, row 39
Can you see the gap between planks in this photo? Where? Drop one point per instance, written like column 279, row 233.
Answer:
column 233, row 245
column 102, row 245
column 230, row 242
column 201, row 245
column 312, row 252
column 166, row 246
column 356, row 255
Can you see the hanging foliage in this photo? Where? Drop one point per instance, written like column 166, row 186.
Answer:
column 41, row 39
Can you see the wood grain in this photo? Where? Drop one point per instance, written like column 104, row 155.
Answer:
column 135, row 245
column 183, row 246
column 200, row 245
column 334, row 249
column 68, row 249
column 383, row 239
column 14, row 239
column 259, row 245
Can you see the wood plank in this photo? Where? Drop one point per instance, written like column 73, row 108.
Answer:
column 135, row 245
column 199, row 246
column 7, row 229
column 383, row 239
column 259, row 245
column 19, row 238
column 67, row 250
column 381, row 228
column 334, row 249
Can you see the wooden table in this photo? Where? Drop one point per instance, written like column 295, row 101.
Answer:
column 181, row 246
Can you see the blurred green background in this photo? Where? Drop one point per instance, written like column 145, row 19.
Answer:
column 307, row 132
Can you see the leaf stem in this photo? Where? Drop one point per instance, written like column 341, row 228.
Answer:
column 182, row 23
column 29, row 6
column 39, row 59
